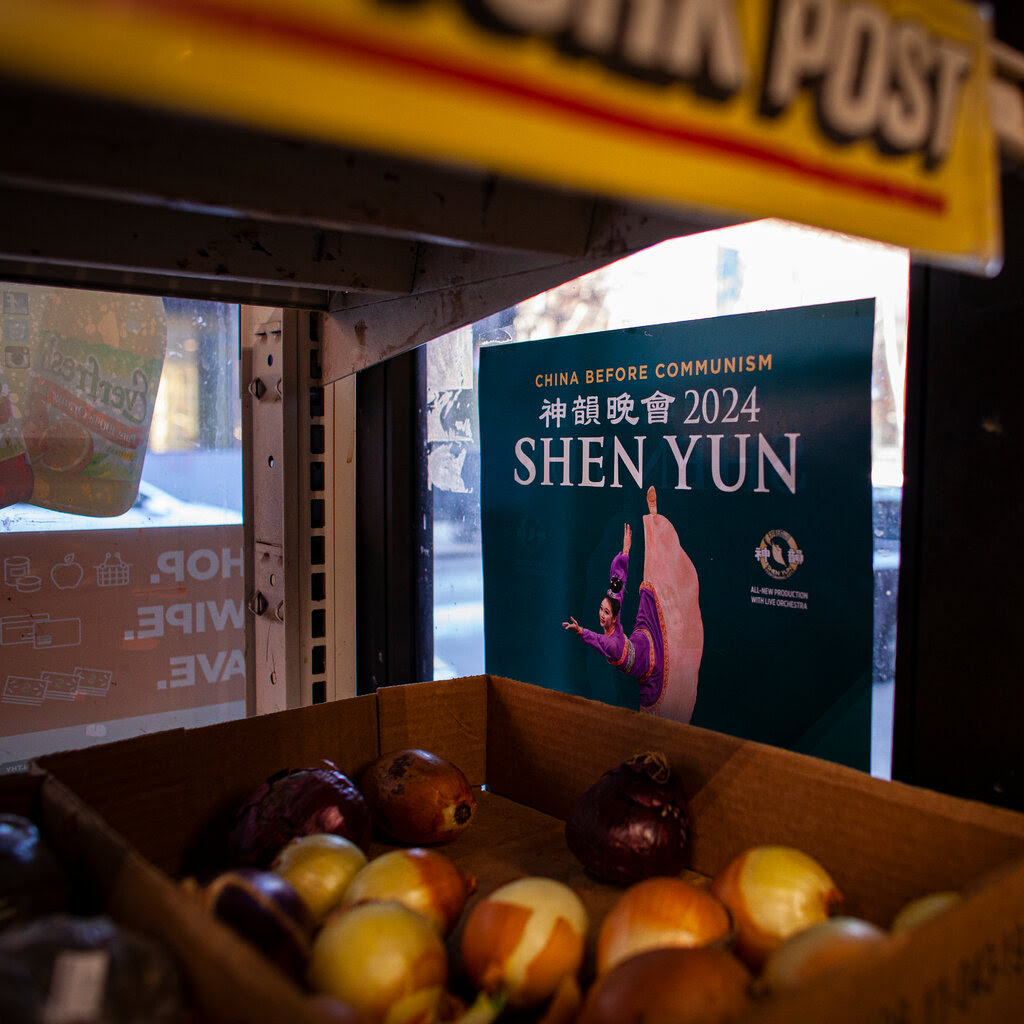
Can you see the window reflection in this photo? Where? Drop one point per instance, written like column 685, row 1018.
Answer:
column 115, row 625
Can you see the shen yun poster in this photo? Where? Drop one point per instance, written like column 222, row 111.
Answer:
column 677, row 519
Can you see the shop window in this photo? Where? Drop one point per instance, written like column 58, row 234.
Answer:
column 118, row 624
column 751, row 267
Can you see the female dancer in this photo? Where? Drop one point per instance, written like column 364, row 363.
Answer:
column 664, row 650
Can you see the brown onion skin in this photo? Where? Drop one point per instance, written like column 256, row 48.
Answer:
column 524, row 939
column 816, row 950
column 705, row 985
column 423, row 879
column 631, row 824
column 661, row 912
column 757, row 933
column 417, row 797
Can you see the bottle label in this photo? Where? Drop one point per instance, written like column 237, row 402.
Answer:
column 77, row 987
column 90, row 407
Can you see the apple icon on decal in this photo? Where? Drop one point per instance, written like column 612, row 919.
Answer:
column 68, row 574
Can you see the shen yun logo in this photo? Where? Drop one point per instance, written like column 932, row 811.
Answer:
column 779, row 554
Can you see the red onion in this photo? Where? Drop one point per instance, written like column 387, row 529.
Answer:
column 32, row 881
column 631, row 824
column 267, row 912
column 298, row 802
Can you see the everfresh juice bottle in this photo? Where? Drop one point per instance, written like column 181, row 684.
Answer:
column 15, row 470
column 95, row 373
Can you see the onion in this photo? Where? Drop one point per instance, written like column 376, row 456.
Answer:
column 816, row 950
column 383, row 959
column 659, row 912
column 423, row 880
column 523, row 939
column 32, row 881
column 319, row 867
column 139, row 982
column 631, row 824
column 266, row 912
column 772, row 892
column 922, row 909
column 298, row 802
column 705, row 985
column 417, row 797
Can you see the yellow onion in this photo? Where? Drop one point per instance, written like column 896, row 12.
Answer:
column 524, row 938
column 817, row 950
column 673, row 985
column 660, row 912
column 772, row 892
column 383, row 959
column 319, row 868
column 423, row 880
column 922, row 909
column 417, row 797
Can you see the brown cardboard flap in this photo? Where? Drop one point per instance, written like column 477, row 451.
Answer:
column 20, row 792
column 136, row 785
column 93, row 853
column 448, row 718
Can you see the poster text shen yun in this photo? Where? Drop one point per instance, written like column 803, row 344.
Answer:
column 677, row 518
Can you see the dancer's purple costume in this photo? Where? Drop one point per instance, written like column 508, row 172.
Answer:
column 664, row 650
column 641, row 654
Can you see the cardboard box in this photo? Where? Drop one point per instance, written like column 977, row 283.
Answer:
column 536, row 750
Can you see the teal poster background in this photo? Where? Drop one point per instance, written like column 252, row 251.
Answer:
column 755, row 431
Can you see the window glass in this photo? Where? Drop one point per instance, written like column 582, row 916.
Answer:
column 762, row 265
column 117, row 624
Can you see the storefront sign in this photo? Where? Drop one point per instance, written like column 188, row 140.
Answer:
column 729, row 460
column 98, row 626
column 869, row 118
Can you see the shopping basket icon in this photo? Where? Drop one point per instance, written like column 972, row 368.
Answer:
column 113, row 571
